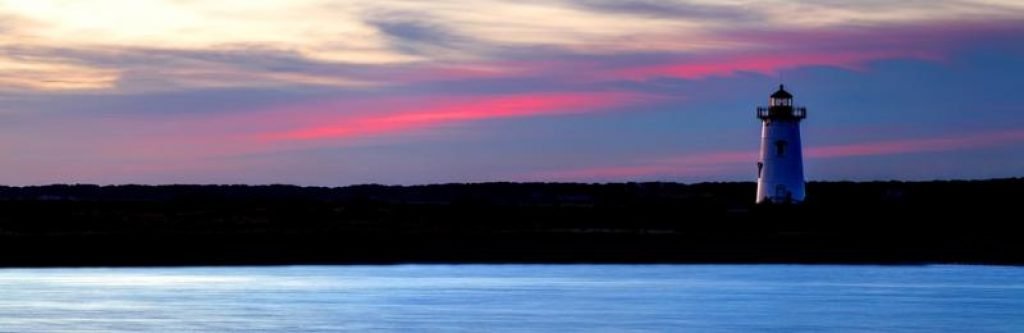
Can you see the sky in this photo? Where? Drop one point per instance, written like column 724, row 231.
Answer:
column 329, row 93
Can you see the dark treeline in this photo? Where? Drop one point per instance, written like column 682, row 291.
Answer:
column 842, row 222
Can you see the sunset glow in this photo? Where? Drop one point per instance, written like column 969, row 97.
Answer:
column 321, row 92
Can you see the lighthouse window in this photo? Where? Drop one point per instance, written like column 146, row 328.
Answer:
column 780, row 102
column 780, row 148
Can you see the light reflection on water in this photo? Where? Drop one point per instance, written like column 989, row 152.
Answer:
column 473, row 298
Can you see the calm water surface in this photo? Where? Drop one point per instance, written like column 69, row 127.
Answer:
column 555, row 298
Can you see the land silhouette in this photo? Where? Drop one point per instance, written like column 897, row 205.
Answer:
column 841, row 222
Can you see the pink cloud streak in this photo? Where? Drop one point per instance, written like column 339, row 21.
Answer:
column 712, row 163
column 437, row 112
column 764, row 64
column 216, row 141
column 916, row 145
column 769, row 51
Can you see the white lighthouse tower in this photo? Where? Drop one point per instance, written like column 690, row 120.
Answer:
column 780, row 167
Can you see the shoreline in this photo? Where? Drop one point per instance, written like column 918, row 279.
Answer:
column 879, row 223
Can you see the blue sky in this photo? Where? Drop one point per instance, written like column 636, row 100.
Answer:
column 321, row 92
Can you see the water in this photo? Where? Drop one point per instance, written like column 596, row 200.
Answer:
column 519, row 298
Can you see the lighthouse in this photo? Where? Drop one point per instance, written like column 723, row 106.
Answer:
column 780, row 166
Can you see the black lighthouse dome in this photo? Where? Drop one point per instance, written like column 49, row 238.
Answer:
column 782, row 93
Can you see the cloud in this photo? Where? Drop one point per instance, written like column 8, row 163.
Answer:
column 763, row 64
column 134, row 70
column 976, row 140
column 669, row 9
column 52, row 75
column 425, row 39
column 321, row 30
column 440, row 111
column 254, row 143
column 169, row 45
column 769, row 51
column 717, row 163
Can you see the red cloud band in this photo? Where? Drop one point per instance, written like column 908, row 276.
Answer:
column 705, row 164
column 459, row 109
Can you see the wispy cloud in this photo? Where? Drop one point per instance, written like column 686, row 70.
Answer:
column 171, row 142
column 165, row 44
column 441, row 111
column 716, row 163
column 906, row 146
column 763, row 64
column 53, row 75
column 690, row 10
